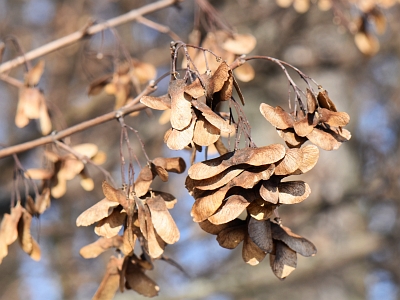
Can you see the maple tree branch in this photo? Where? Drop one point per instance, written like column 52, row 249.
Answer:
column 89, row 31
column 125, row 110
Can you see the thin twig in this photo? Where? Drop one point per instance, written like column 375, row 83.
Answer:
column 89, row 31
column 125, row 110
column 158, row 27
column 85, row 159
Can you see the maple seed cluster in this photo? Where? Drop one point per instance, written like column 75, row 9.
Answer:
column 238, row 193
column 193, row 108
column 144, row 215
column 321, row 124
column 250, row 180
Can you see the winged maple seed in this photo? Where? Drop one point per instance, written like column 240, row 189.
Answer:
column 17, row 225
column 120, row 82
column 31, row 101
column 322, row 124
column 66, row 167
column 226, row 45
column 144, row 216
column 193, row 108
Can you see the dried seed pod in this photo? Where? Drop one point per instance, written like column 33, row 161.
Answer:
column 159, row 103
column 290, row 163
column 110, row 282
column 205, row 134
column 111, row 225
column 93, row 250
column 95, row 213
column 143, row 181
column 171, row 164
column 305, row 124
column 252, row 156
column 277, row 116
column 213, row 118
column 291, row 139
column 310, row 155
column 284, row 261
column 251, row 253
column 27, row 242
column 231, row 209
column 269, row 191
column 231, row 237
column 179, row 139
column 240, row 44
column 294, row 241
column 139, row 282
column 162, row 221
column 260, row 233
column 332, row 118
column 311, row 102
column 328, row 139
column 181, row 108
column 211, row 228
column 293, row 192
column 324, row 101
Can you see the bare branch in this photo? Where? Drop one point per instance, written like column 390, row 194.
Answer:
column 78, row 35
column 127, row 109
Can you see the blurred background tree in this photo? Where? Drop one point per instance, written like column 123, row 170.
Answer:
column 352, row 213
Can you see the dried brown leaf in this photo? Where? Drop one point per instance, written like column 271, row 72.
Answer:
column 269, row 191
column 215, row 119
column 113, row 194
column 251, row 253
column 181, row 107
column 195, row 89
column 211, row 228
column 143, row 181
column 232, row 236
column 139, row 282
column 332, row 118
column 240, row 43
column 284, row 261
column 294, row 241
column 205, row 134
column 252, row 156
column 171, row 164
column 40, row 174
column 163, row 222
column 324, row 101
column 160, row 103
column 27, row 242
column 367, row 43
column 33, row 76
column 290, row 163
column 207, row 205
column 230, row 210
column 311, row 102
column 95, row 213
column 291, row 139
column 154, row 247
column 304, row 125
column 260, row 210
column 177, row 140
column 328, row 139
column 9, row 225
column 309, row 159
column 110, row 226
column 277, row 116
column 143, row 71
column 216, row 181
column 110, row 282
column 102, row 244
column 292, row 192
column 261, row 234
column 245, row 73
